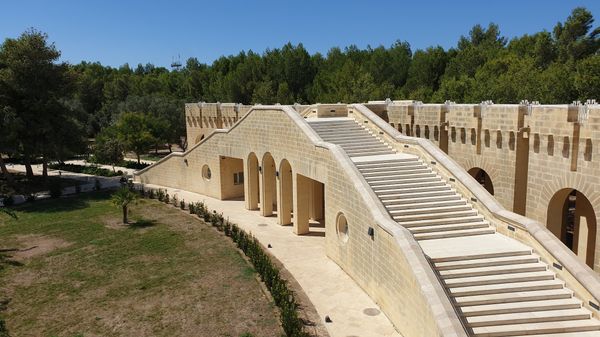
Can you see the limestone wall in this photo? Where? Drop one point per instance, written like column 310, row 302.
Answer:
column 391, row 267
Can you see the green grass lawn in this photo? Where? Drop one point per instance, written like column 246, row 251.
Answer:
column 168, row 274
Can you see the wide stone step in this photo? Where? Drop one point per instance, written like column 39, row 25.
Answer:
column 368, row 146
column 356, row 137
column 498, row 279
column 389, row 164
column 337, row 129
column 370, row 153
column 395, row 171
column 364, row 141
column 401, row 181
column 389, row 161
column 432, row 212
column 453, row 234
column 426, row 195
column 438, row 221
column 481, row 256
column 391, row 205
column 446, row 228
column 515, row 307
column 495, row 270
column 537, row 328
column 492, row 261
column 379, row 150
column 507, row 288
column 401, row 176
column 408, row 185
column 567, row 334
column 529, row 317
column 526, row 296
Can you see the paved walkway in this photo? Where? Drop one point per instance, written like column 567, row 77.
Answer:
column 328, row 287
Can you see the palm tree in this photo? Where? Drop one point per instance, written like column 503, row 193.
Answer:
column 122, row 198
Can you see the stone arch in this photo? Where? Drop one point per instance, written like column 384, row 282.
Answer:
column 286, row 193
column 572, row 218
column 268, row 195
column 251, row 188
column 483, row 178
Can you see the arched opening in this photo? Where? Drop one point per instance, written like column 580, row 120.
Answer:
column 418, row 131
column 285, row 193
column 572, row 219
column 463, row 135
column 268, row 202
column 511, row 140
column 483, row 178
column 251, row 186
column 536, row 143
column 436, row 133
column 453, row 134
column 499, row 139
column 427, row 131
column 309, row 206
column 486, row 138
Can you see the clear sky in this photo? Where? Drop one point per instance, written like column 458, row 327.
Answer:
column 115, row 32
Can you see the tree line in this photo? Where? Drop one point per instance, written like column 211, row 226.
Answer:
column 48, row 109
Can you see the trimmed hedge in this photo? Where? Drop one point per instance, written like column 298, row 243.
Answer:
column 269, row 273
column 92, row 170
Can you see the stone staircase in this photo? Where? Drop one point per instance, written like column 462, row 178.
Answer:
column 498, row 286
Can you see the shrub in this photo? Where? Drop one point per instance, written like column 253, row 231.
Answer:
column 8, row 200
column 192, row 208
column 175, row 200
column 55, row 189
column 160, row 195
column 182, row 204
column 91, row 170
column 166, row 199
column 3, row 329
column 97, row 185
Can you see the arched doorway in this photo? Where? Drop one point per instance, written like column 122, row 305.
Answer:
column 252, row 191
column 285, row 193
column 268, row 202
column 483, row 178
column 572, row 219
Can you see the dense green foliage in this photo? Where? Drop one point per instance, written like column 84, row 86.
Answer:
column 50, row 105
column 91, row 170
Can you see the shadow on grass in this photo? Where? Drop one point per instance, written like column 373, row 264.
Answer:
column 69, row 203
column 142, row 223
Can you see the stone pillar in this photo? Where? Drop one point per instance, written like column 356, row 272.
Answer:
column 302, row 187
column 251, row 183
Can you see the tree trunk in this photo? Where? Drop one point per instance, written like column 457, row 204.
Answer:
column 9, row 178
column 170, row 149
column 28, row 169
column 138, row 158
column 156, row 149
column 124, row 214
column 45, row 168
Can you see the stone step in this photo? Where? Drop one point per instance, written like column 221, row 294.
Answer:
column 507, row 288
column 401, row 176
column 355, row 137
column 446, row 228
column 432, row 212
column 408, row 193
column 337, row 129
column 398, row 171
column 454, row 234
column 389, row 161
column 481, row 256
column 567, row 334
column 379, row 149
column 497, row 279
column 363, row 140
column 415, row 197
column 526, row 296
column 370, row 153
column 495, row 270
column 529, row 317
column 389, row 164
column 395, row 205
column 492, row 261
column 408, row 185
column 537, row 328
column 401, row 181
column 368, row 146
column 515, row 307
column 443, row 221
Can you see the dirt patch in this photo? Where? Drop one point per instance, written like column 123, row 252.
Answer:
column 35, row 245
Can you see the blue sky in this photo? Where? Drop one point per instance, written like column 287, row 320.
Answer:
column 116, row 32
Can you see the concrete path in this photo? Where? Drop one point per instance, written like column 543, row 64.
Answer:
column 328, row 287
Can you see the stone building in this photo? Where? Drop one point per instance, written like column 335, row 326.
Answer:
column 424, row 237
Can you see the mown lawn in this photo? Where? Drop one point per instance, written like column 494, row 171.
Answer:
column 167, row 274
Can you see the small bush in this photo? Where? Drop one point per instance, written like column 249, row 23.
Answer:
column 192, row 208
column 151, row 194
column 8, row 200
column 175, row 200
column 160, row 195
column 55, row 189
column 91, row 170
column 166, row 199
column 182, row 204
column 97, row 185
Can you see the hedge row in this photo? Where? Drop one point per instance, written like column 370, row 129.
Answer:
column 284, row 297
column 92, row 170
